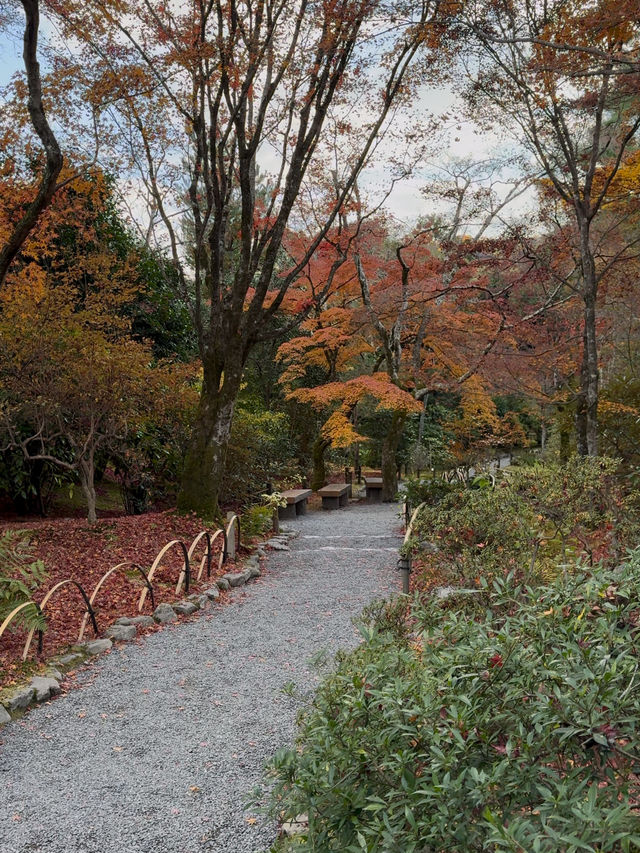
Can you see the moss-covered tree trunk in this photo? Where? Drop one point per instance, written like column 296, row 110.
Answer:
column 319, row 475
column 205, row 460
column 389, row 451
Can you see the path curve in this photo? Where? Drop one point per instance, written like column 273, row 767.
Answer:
column 159, row 749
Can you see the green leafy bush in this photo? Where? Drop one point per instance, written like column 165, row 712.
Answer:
column 430, row 490
column 260, row 451
column 256, row 520
column 20, row 575
column 508, row 722
column 535, row 519
column 478, row 532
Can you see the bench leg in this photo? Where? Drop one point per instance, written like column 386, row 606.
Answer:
column 285, row 513
column 344, row 499
column 301, row 507
column 374, row 496
column 330, row 502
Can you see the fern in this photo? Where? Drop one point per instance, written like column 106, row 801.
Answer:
column 20, row 575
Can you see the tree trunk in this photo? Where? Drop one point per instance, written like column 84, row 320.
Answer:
column 581, row 420
column 591, row 376
column 53, row 156
column 587, row 415
column 319, row 476
column 204, row 463
column 86, row 473
column 389, row 450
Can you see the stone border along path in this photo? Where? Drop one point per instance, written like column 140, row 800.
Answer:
column 163, row 741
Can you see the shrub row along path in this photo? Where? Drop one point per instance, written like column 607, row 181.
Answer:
column 161, row 745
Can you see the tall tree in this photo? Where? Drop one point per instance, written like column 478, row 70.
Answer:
column 74, row 385
column 26, row 221
column 559, row 75
column 223, row 87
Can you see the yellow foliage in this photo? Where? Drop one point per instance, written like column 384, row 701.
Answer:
column 339, row 430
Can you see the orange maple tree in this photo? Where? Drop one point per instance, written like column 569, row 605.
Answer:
column 406, row 317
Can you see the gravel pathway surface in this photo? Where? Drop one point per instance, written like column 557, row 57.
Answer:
column 163, row 742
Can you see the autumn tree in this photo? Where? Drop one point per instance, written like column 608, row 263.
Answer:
column 74, row 383
column 560, row 77
column 15, row 235
column 408, row 317
column 436, row 299
column 211, row 90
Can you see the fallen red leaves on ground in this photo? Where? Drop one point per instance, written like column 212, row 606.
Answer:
column 70, row 548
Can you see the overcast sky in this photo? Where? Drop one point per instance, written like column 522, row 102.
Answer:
column 406, row 201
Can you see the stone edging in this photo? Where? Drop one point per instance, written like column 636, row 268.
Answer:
column 16, row 700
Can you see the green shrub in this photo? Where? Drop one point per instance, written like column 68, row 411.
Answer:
column 260, row 451
column 20, row 575
column 509, row 723
column 256, row 520
column 429, row 490
column 478, row 532
column 535, row 518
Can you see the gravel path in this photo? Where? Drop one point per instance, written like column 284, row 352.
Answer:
column 160, row 748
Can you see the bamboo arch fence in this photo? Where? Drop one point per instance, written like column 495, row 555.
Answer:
column 230, row 541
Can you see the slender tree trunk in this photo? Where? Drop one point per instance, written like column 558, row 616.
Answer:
column 591, row 377
column 86, row 472
column 319, row 476
column 587, row 414
column 389, row 450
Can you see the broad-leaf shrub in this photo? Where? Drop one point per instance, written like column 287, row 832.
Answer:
column 256, row 520
column 478, row 532
column 509, row 722
column 260, row 451
column 430, row 490
column 536, row 518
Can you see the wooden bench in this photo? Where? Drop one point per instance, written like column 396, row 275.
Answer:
column 373, row 487
column 296, row 503
column 335, row 495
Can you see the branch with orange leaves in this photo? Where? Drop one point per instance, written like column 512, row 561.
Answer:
column 53, row 163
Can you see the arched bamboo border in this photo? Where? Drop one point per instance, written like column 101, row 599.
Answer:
column 14, row 612
column 185, row 568
column 233, row 522
column 206, row 559
column 414, row 515
column 223, row 551
column 43, row 604
column 104, row 577
column 233, row 526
